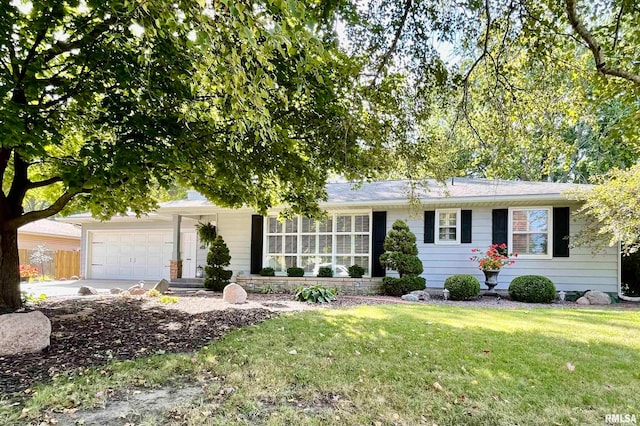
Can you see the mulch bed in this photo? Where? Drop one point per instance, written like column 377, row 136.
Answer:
column 90, row 333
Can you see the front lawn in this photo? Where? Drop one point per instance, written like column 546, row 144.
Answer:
column 389, row 364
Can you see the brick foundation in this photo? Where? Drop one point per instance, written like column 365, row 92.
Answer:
column 175, row 269
column 353, row 286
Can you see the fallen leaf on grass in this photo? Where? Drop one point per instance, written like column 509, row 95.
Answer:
column 570, row 366
column 486, row 351
column 437, row 386
column 293, row 352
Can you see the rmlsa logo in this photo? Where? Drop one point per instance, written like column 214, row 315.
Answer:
column 620, row 419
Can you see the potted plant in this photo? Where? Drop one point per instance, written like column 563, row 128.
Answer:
column 491, row 262
column 207, row 233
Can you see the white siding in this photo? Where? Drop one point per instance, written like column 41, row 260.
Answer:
column 235, row 229
column 581, row 271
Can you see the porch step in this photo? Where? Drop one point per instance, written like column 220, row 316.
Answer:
column 187, row 283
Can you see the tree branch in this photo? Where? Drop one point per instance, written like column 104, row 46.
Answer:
column 45, row 182
column 595, row 47
column 32, row 53
column 385, row 58
column 54, row 208
column 617, row 30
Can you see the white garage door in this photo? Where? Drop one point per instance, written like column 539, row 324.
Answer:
column 130, row 254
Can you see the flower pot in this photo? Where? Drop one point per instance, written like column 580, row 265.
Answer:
column 491, row 280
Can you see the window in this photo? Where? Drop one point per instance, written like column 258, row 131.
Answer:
column 447, row 226
column 529, row 232
column 339, row 241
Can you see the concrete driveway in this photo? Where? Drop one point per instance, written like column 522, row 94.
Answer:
column 70, row 288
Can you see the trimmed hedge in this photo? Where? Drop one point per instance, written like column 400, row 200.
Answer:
column 295, row 272
column 356, row 271
column 462, row 287
column 267, row 272
column 392, row 286
column 532, row 289
column 325, row 272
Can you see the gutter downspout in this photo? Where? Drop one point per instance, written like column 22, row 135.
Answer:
column 620, row 295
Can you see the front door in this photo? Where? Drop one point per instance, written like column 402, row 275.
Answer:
column 188, row 254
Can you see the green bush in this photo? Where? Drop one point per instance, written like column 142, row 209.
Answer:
column 356, row 271
column 532, row 289
column 218, row 257
column 325, row 271
column 392, row 286
column 267, row 272
column 462, row 287
column 314, row 294
column 295, row 272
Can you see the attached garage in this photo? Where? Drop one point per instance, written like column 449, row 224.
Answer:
column 134, row 254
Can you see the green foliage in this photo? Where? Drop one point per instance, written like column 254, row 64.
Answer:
column 356, row 271
column 532, row 289
column 217, row 258
column 392, row 286
column 325, row 272
column 267, row 271
column 30, row 297
column 462, row 287
column 166, row 299
column 207, row 233
column 314, row 294
column 401, row 250
column 295, row 272
column 153, row 293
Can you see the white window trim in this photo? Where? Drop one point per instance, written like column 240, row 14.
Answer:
column 437, row 227
column 549, row 254
column 333, row 234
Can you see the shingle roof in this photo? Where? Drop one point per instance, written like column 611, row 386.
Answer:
column 51, row 227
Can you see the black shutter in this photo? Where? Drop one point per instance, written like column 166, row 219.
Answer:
column 257, row 224
column 429, row 226
column 379, row 232
column 465, row 236
column 561, row 221
column 500, row 226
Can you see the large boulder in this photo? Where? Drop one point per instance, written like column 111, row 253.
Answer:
column 162, row 286
column 421, row 295
column 24, row 333
column 597, row 298
column 85, row 290
column 583, row 301
column 410, row 297
column 233, row 293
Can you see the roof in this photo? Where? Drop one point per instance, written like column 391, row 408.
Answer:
column 392, row 193
column 51, row 227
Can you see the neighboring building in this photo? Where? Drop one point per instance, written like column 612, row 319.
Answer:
column 533, row 218
column 56, row 235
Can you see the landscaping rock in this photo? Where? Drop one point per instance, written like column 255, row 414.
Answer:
column 597, row 298
column 24, row 333
column 421, row 294
column 201, row 293
column 583, row 301
column 85, row 290
column 116, row 290
column 136, row 291
column 162, row 286
column 233, row 293
column 410, row 297
column 74, row 277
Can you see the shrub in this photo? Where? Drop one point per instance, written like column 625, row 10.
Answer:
column 462, row 287
column 153, row 293
column 267, row 272
column 356, row 271
column 401, row 251
column 166, row 299
column 314, row 294
column 532, row 289
column 325, row 271
column 295, row 272
column 392, row 286
column 216, row 276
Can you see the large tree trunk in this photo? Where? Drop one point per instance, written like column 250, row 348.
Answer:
column 9, row 269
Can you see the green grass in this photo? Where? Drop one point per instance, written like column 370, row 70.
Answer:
column 378, row 365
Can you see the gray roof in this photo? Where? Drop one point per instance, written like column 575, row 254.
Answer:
column 51, row 227
column 399, row 191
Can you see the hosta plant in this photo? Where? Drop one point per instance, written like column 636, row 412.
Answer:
column 315, row 294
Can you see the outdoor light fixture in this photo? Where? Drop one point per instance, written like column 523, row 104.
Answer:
column 199, row 272
column 562, row 296
column 445, row 294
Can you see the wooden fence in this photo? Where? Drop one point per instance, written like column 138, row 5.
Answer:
column 64, row 264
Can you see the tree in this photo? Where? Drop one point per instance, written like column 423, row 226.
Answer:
column 40, row 256
column 401, row 255
column 106, row 101
column 218, row 257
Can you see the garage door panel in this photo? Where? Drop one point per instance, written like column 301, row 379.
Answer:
column 130, row 254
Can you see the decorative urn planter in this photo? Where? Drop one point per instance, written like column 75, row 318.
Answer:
column 491, row 279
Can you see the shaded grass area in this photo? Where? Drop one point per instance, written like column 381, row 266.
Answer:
column 378, row 365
